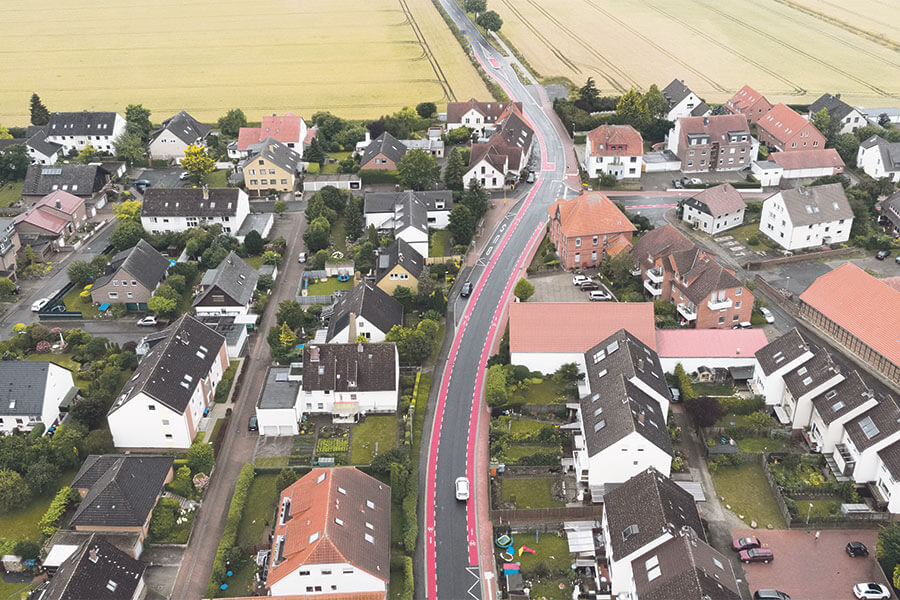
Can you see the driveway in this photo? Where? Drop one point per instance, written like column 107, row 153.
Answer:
column 162, row 567
column 165, row 177
column 812, row 569
column 880, row 268
column 558, row 287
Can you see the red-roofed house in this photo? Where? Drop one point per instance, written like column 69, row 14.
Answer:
column 808, row 164
column 332, row 536
column 587, row 229
column 714, row 143
column 614, row 150
column 57, row 215
column 289, row 129
column 783, row 129
column 711, row 348
column 545, row 335
column 859, row 312
column 504, row 157
column 750, row 103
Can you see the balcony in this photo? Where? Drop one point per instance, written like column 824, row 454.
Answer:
column 653, row 288
column 844, row 461
column 689, row 314
column 718, row 304
column 813, row 440
column 656, row 276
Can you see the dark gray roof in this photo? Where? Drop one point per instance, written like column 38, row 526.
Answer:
column 350, row 367
column 890, row 208
column 890, row 456
column 96, row 571
column 190, row 202
column 234, row 277
column 384, row 202
column 400, row 252
column 890, row 151
column 663, row 508
column 515, row 131
column 809, row 205
column 842, row 398
column 279, row 391
column 80, row 180
column 781, row 351
column 367, row 301
column 174, row 366
column 225, row 326
column 142, row 262
column 705, row 278
column 185, row 127
column 121, row 489
column 276, row 153
column 685, row 568
column 37, row 139
column 624, row 354
column 700, row 110
column 810, row 375
column 836, row 107
column 385, row 144
column 81, row 123
column 676, row 91
column 22, row 385
column 875, row 425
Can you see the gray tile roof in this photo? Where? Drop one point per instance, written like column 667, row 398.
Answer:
column 890, row 456
column 706, row 278
column 400, row 253
column 279, row 391
column 675, row 92
column 276, row 153
column 81, row 123
column 836, row 107
column 37, row 140
column 121, row 489
column 781, row 351
column 663, row 508
column 810, row 375
column 82, row 180
column 350, row 367
column 685, row 568
column 385, row 144
column 842, row 398
column 234, row 277
column 190, row 202
column 370, row 302
column 890, row 151
column 874, row 425
column 384, row 202
column 142, row 262
column 515, row 132
column 97, row 570
column 185, row 127
column 22, row 387
column 718, row 200
column 816, row 204
column 225, row 326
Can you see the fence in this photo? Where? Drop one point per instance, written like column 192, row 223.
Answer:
column 520, row 516
column 435, row 260
column 762, row 264
column 314, row 300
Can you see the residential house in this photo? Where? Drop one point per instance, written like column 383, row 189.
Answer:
column 614, row 150
column 382, row 208
column 856, row 456
column 714, row 143
column 405, row 214
column 131, row 277
column 97, row 570
column 56, row 216
column 859, row 312
column 399, row 266
column 768, row 172
column 74, row 131
column 632, row 529
column 432, row 145
column 695, row 349
column 39, row 148
column 804, row 383
column 176, row 134
column 332, row 537
column 235, row 334
column 9, row 247
column 505, row 156
column 278, row 410
column 783, row 129
column 879, row 158
column 290, row 130
column 621, row 415
column 163, row 402
column 382, row 154
column 750, row 103
column 773, row 361
column 33, row 393
column 271, row 165
column 365, row 311
column 546, row 335
column 881, row 115
column 836, row 407
column 806, row 217
column 807, row 164
column 890, row 214
column 887, row 479
column 88, row 182
column 179, row 209
column 587, row 229
column 342, row 181
column 706, row 295
column 228, row 290
column 682, row 102
column 715, row 209
column 850, row 118
column 476, row 115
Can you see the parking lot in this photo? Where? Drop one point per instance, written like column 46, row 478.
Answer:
column 166, row 177
column 809, row 569
column 798, row 276
column 558, row 287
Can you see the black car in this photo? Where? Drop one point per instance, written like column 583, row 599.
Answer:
column 882, row 254
column 466, row 289
column 253, row 424
column 588, row 286
column 857, row 549
column 770, row 595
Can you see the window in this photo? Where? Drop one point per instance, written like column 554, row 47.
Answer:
column 253, row 171
column 303, row 573
column 165, row 421
column 115, row 283
column 133, row 282
column 577, row 257
column 578, row 242
column 370, row 504
column 629, row 531
column 168, row 436
column 721, row 320
column 114, row 294
column 737, row 304
column 130, row 294
column 284, row 182
column 596, row 239
column 326, row 571
column 738, row 291
column 151, row 407
column 313, row 537
column 111, row 585
column 348, row 571
column 735, row 318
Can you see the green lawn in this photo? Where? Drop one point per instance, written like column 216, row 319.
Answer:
column 326, row 288
column 524, row 426
column 66, row 361
column 217, row 179
column 241, row 580
column 23, row 524
column 439, row 244
column 552, row 550
column 380, row 430
column 731, row 420
column 759, row 445
column 746, row 490
column 254, row 261
column 179, row 535
column 331, row 168
column 339, row 237
column 741, row 234
column 529, row 492
column 713, row 389
column 261, row 501
column 822, row 508
column 516, row 451
column 8, row 591
column 545, row 392
column 9, row 195
column 74, row 303
column 272, row 461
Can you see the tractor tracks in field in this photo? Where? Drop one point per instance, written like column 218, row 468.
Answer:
column 429, row 54
column 873, row 37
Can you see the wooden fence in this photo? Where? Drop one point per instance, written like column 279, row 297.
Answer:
column 521, row 516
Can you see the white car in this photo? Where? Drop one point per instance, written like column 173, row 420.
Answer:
column 767, row 314
column 462, row 488
column 579, row 279
column 184, row 175
column 599, row 296
column 147, row 322
column 301, row 258
column 39, row 304
column 871, row 591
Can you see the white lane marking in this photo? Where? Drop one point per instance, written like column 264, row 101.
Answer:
column 473, row 571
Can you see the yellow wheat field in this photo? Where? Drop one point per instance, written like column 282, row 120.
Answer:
column 355, row 58
column 790, row 50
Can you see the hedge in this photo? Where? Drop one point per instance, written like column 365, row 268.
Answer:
column 229, row 535
column 373, row 176
column 742, row 406
column 408, row 576
column 580, row 138
column 410, row 518
column 49, row 523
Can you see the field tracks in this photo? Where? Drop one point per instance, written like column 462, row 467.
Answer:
column 556, row 52
column 873, row 37
column 426, row 49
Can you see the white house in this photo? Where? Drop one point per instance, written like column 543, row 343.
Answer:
column 502, row 159
column 278, row 410
column 40, row 149
column 849, row 117
column 614, row 150
column 887, row 478
column 76, row 130
column 879, row 158
column 807, row 217
column 32, row 393
column 682, row 102
column 177, row 133
column 332, row 537
column 365, row 311
column 228, row 290
column 711, row 348
column 856, row 456
column 383, row 209
column 94, row 569
column 642, row 514
column 476, row 115
column 836, row 407
column 776, row 359
column 715, row 209
column 163, row 402
column 802, row 384
column 179, row 209
column 768, row 172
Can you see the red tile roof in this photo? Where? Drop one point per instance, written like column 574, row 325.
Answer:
column 616, row 140
column 68, row 203
column 576, row 326
column 44, row 220
column 808, row 159
column 283, row 129
column 865, row 306
column 781, row 122
column 743, row 99
column 591, row 213
column 709, row 343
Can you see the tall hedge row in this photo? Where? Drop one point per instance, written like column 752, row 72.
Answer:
column 229, row 536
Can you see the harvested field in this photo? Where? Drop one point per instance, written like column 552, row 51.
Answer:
column 790, row 50
column 355, row 59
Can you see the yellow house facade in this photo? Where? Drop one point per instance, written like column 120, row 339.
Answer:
column 271, row 166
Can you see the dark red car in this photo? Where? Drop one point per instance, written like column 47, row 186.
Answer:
column 745, row 543
column 762, row 555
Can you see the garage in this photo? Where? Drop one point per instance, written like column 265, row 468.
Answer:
column 270, row 430
column 286, row 430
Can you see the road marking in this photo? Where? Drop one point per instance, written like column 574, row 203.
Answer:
column 473, row 572
column 635, row 207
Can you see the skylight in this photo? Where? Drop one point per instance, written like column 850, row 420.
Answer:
column 599, row 425
column 807, row 380
column 801, row 371
column 837, row 406
column 830, row 394
column 321, row 478
column 869, row 428
column 313, row 537
column 597, row 411
column 629, row 531
column 612, row 347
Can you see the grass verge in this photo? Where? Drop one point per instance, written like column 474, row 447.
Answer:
column 10, row 194
column 545, row 392
column 261, row 501
column 529, row 492
column 747, row 492
column 439, row 244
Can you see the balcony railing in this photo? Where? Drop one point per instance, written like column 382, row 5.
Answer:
column 688, row 313
column 718, row 304
column 844, row 459
column 656, row 276
column 653, row 288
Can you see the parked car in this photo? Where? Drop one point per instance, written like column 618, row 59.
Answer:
column 462, row 488
column 142, row 183
column 253, row 424
column 599, row 296
column 871, row 591
column 767, row 314
column 897, row 260
column 882, row 254
column 147, row 322
column 857, row 549
column 745, row 543
column 579, row 279
column 770, row 595
column 184, row 175
column 762, row 555
column 530, row 178
column 691, row 181
column 588, row 286
column 743, row 325
column 676, row 395
column 39, row 304
column 676, row 183
column 301, row 258
column 466, row 290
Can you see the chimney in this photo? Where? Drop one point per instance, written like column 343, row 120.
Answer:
column 706, row 120
column 58, row 204
column 359, row 347
column 641, row 417
column 93, row 556
column 206, row 192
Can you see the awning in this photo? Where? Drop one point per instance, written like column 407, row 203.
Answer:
column 781, row 415
column 346, row 408
column 581, row 539
column 741, row 373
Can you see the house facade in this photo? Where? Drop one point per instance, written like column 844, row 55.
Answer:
column 879, row 158
column 131, row 277
column 476, row 115
column 228, row 290
column 384, row 210
column 399, row 266
column 715, row 209
column 614, row 150
column 587, row 229
column 33, row 393
column 365, row 311
column 74, row 131
column 807, row 217
column 505, row 156
column 178, row 209
column 271, row 166
column 682, row 102
column 382, row 154
column 177, row 133
column 712, row 349
column 782, row 129
column 750, row 103
column 9, row 248
column 850, row 118
column 714, row 143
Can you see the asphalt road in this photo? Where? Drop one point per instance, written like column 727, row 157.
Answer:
column 451, row 557
column 651, row 206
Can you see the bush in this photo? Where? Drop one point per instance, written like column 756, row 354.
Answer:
column 742, row 406
column 181, row 484
column 229, row 535
column 410, row 523
column 162, row 523
column 49, row 523
column 704, row 410
column 371, row 176
column 200, row 457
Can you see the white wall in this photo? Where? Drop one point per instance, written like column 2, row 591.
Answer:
column 684, row 108
column 620, row 572
column 772, row 386
column 869, row 160
column 363, row 327
column 136, row 425
column 327, row 575
column 439, row 219
column 414, row 237
column 221, row 310
column 230, row 224
column 59, row 383
column 490, row 179
column 768, row 176
column 167, row 146
column 795, row 238
column 472, row 119
column 103, row 143
column 39, row 158
column 710, row 224
column 616, row 464
column 547, row 362
column 277, row 418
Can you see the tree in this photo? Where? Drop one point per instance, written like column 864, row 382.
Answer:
column 316, row 153
column 162, row 523
column 524, row 290
column 888, row 547
column 87, row 155
column 418, row 170
column 41, row 475
column 495, row 386
column 317, row 234
column 130, row 148
column 177, row 283
column 65, row 443
column 632, row 109
column 462, row 225
column 4, row 133
column 704, row 410
column 404, row 296
column 826, row 124
column 317, row 207
column 82, row 272
column 7, row 287
column 426, row 110
column 684, row 382
column 162, row 306
column 253, row 243
column 618, row 269
column 476, row 6
column 354, row 222
column 459, row 135
column 14, row 162
column 476, row 199
column 232, row 122
column 270, row 257
column 453, row 173
column 285, row 478
column 365, row 257
column 588, row 96
column 197, row 162
column 14, row 492
column 200, row 457
column 287, row 337
column 129, row 210
column 99, row 441
column 847, row 145
column 490, row 20
column 656, row 102
column 90, row 412
column 138, row 121
column 760, row 422
column 39, row 113
column 126, row 235
column 279, row 208
column 291, row 313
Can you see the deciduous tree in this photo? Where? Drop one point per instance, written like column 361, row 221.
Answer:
column 197, row 162
column 200, row 457
column 14, row 492
column 462, row 225
column 14, row 162
column 426, row 110
column 129, row 210
column 633, row 109
column 418, row 170
column 130, row 148
column 476, row 6
column 490, row 20
column 126, row 235
column 232, row 122
column 137, row 120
